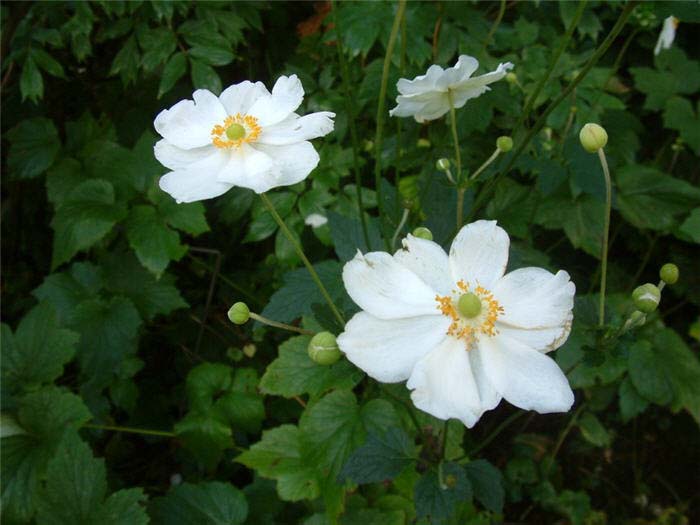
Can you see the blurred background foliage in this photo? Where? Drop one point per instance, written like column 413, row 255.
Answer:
column 115, row 298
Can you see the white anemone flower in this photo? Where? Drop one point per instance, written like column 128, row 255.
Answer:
column 427, row 97
column 461, row 332
column 245, row 137
column 667, row 35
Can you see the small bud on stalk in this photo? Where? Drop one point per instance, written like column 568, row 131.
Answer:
column 593, row 137
column 239, row 313
column 443, row 164
column 423, row 233
column 511, row 78
column 504, row 144
column 323, row 349
column 646, row 297
column 669, row 273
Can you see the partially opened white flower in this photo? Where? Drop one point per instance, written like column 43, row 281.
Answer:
column 426, row 97
column 667, row 35
column 461, row 332
column 245, row 137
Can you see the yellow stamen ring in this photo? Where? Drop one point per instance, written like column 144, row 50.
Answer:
column 472, row 313
column 236, row 130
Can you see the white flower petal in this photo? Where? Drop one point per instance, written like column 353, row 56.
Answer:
column 479, row 254
column 541, row 339
column 473, row 87
column 386, row 289
column 197, row 181
column 297, row 129
column 188, row 123
column 535, row 298
column 423, row 106
column 443, row 384
column 250, row 168
column 175, row 158
column 293, row 163
column 461, row 71
column 488, row 394
column 287, row 95
column 421, row 83
column 667, row 35
column 525, row 377
column 315, row 220
column 239, row 98
column 428, row 261
column 389, row 349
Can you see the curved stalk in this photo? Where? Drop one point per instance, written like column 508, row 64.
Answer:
column 276, row 324
column 606, row 234
column 458, row 161
column 399, row 227
column 132, row 430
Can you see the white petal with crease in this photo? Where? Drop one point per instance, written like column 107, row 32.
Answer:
column 292, row 163
column 197, row 181
column 428, row 261
column 238, row 98
column 479, row 254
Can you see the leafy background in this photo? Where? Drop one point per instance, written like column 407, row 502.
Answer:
column 115, row 298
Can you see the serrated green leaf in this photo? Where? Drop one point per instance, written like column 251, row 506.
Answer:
column 204, row 77
column 487, row 483
column 173, row 71
column 154, row 242
column 62, row 178
column 438, row 501
column 680, row 115
column 593, row 430
column 157, row 45
column 65, row 290
column 690, row 229
column 31, row 84
column 210, row 503
column 293, row 373
column 382, row 457
column 188, row 217
column 211, row 55
column 631, row 402
column 47, row 62
column 34, row 144
column 126, row 63
column 38, row 350
column 348, row 237
column 647, row 373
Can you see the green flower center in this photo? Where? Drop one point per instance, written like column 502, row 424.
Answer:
column 469, row 305
column 235, row 131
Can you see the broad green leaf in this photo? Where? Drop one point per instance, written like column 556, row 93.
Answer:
column 172, row 72
column 67, row 289
column 206, row 433
column 126, row 63
column 47, row 62
column 646, row 370
column 293, row 373
column 204, row 77
column 31, row 84
column 157, row 45
column 188, row 217
column 209, row 503
column 438, row 501
column 682, row 368
column 382, row 457
column 76, row 485
column 512, row 205
column 154, row 242
column 278, row 456
column 487, row 483
column 34, row 145
column 593, row 430
column 88, row 213
column 348, row 236
column 45, row 416
column 211, row 55
column 631, row 402
column 584, row 224
column 690, row 229
column 37, row 351
column 62, row 178
column 680, row 115
column 263, row 225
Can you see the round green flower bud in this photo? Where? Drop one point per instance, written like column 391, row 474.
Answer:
column 636, row 319
column 646, row 297
column 323, row 349
column 669, row 273
column 511, row 78
column 469, row 305
column 239, row 313
column 443, row 164
column 593, row 137
column 504, row 144
column 235, row 131
column 423, row 233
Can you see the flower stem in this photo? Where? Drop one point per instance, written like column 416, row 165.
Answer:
column 443, row 449
column 381, row 110
column 496, row 23
column 276, row 324
column 404, row 217
column 271, row 208
column 485, row 165
column 132, row 430
column 458, row 160
column 350, row 110
column 606, row 234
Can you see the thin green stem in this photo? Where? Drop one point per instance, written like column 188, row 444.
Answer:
column 131, row 430
column 399, row 122
column 300, row 252
column 606, row 234
column 621, row 21
column 496, row 23
column 264, row 320
column 458, row 160
column 350, row 110
column 381, row 108
column 404, row 217
column 485, row 165
column 552, row 64
column 443, row 449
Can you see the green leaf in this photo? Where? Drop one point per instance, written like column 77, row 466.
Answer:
column 38, row 350
column 126, row 63
column 76, row 484
column 61, row 179
column 45, row 416
column 439, row 502
column 172, row 72
column 278, row 456
column 631, row 402
column 487, row 483
column 31, row 85
column 682, row 368
column 154, row 242
column 373, row 517
column 34, row 144
column 263, row 225
column 348, row 237
column 382, row 457
column 206, row 433
column 646, row 369
column 47, row 62
column 204, row 77
column 584, row 224
column 210, row 503
column 650, row 199
column 690, row 229
column 66, row 290
column 593, row 430
column 294, row 373
column 86, row 216
column 188, row 217
column 157, row 45
column 212, row 55
column 680, row 115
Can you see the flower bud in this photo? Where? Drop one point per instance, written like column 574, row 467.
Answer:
column 646, row 297
column 443, row 164
column 636, row 319
column 423, row 233
column 511, row 78
column 504, row 144
column 239, row 313
column 669, row 273
column 593, row 137
column 323, row 349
